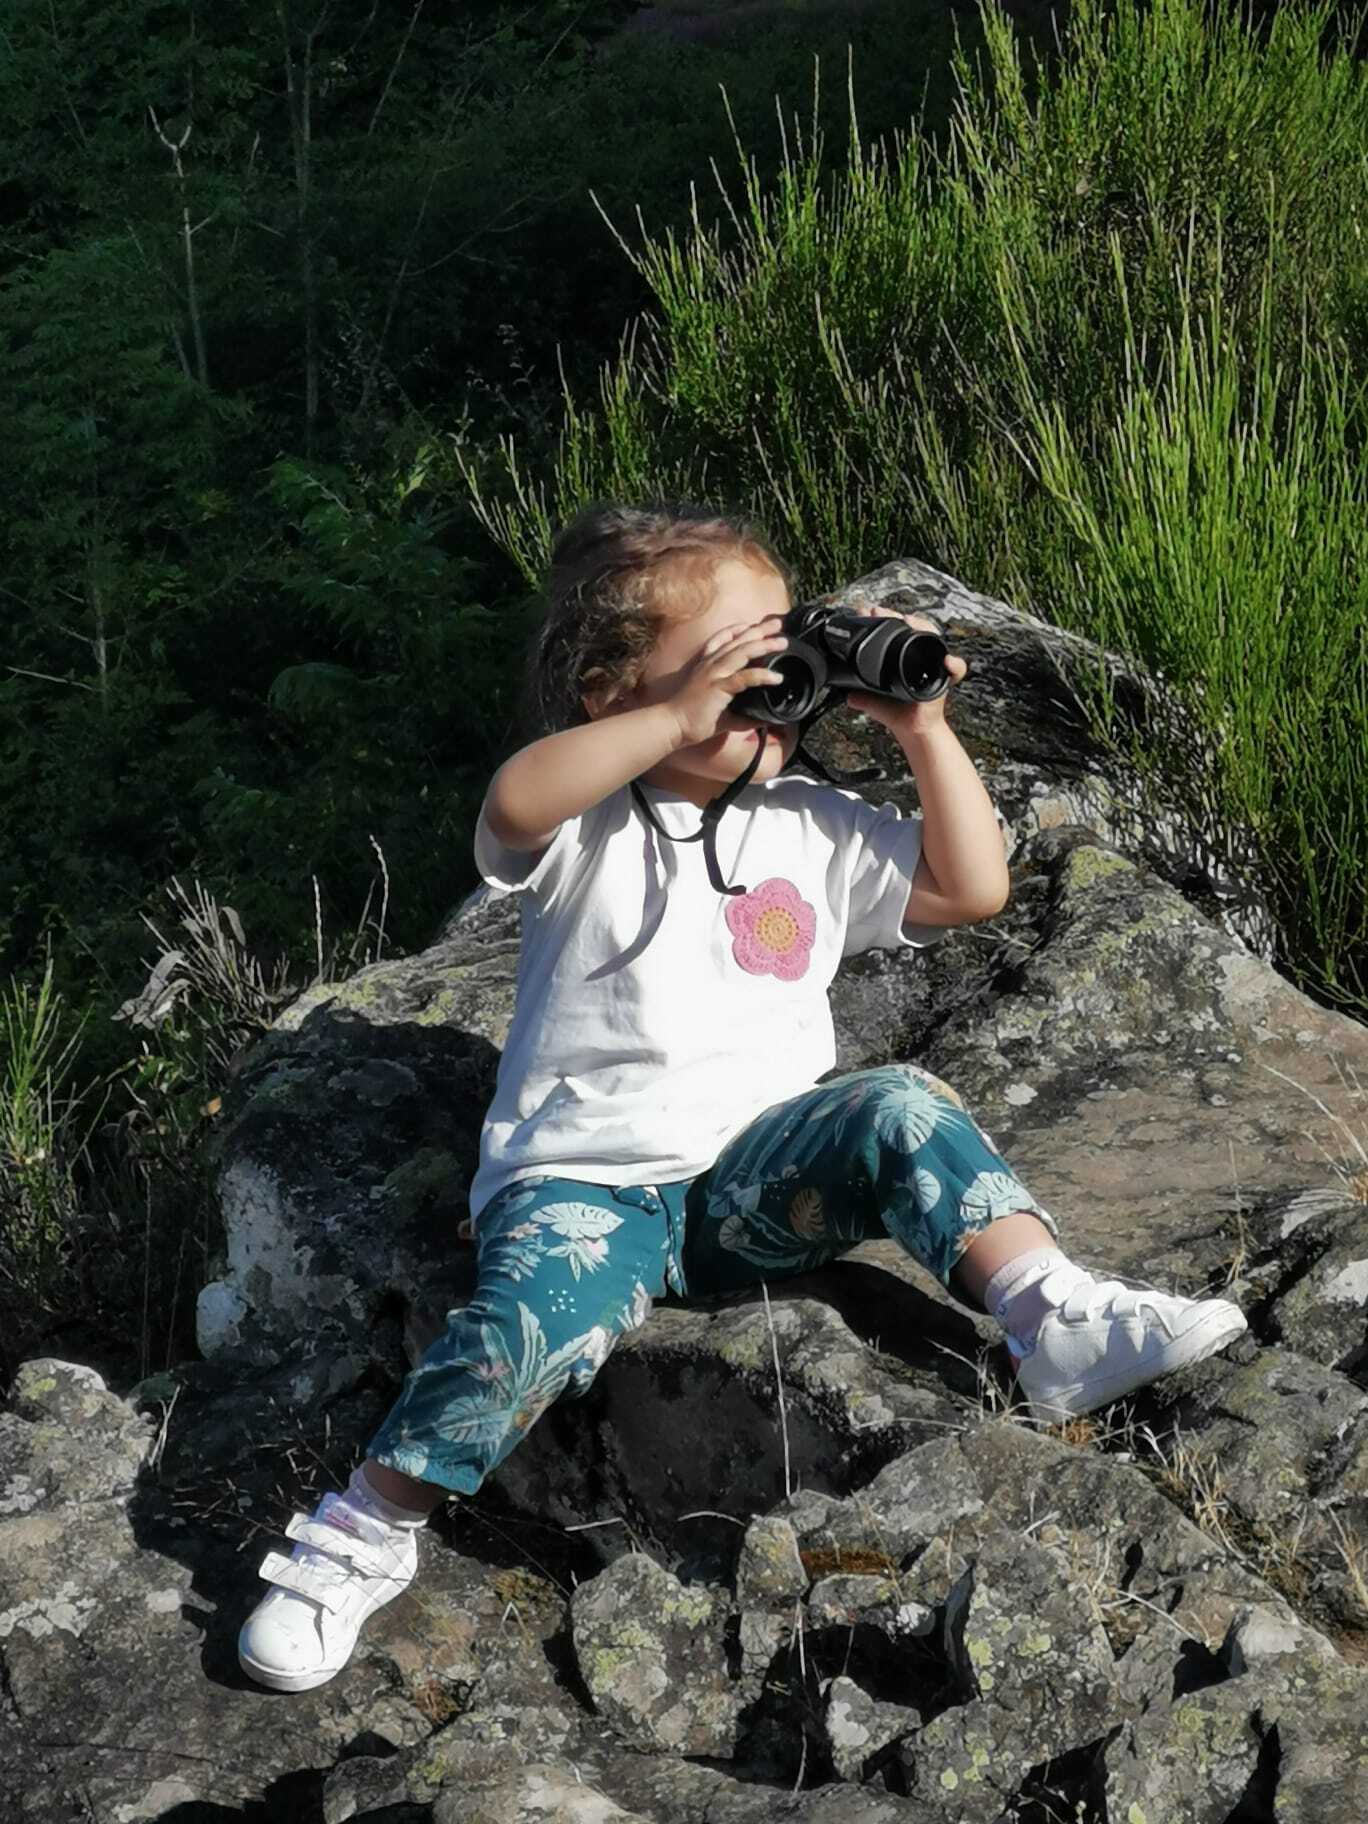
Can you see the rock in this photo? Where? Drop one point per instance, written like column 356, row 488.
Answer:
column 1035, row 1674
column 363, row 1784
column 858, row 1730
column 1131, row 1017
column 1323, row 1758
column 1324, row 1315
column 911, row 1500
column 117, row 1613
column 327, row 1221
column 514, row 1711
column 1293, row 1726
column 1257, row 1633
column 760, row 1637
column 839, row 1605
column 845, row 1413
column 769, row 1571
column 1151, row 1568
column 842, row 1602
column 1186, row 1763
column 540, row 1794
column 683, row 1792
column 650, row 1651
column 66, row 1438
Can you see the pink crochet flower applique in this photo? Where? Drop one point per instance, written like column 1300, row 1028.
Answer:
column 774, row 927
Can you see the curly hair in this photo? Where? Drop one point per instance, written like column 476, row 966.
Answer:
column 617, row 573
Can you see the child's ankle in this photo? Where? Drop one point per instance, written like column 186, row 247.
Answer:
column 411, row 1513
column 1016, row 1293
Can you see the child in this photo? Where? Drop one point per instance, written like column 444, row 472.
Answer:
column 657, row 1125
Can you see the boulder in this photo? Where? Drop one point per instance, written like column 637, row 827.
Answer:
column 879, row 1597
column 120, row 1599
column 650, row 1652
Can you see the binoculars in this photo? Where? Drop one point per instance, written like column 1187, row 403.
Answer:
column 835, row 649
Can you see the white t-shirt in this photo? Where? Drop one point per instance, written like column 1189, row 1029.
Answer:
column 656, row 1017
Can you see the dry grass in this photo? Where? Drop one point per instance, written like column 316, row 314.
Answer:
column 1354, row 1554
column 1353, row 1175
column 1193, row 1478
column 1235, row 1266
column 1291, row 1557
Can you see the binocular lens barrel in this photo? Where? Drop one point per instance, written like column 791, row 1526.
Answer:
column 842, row 651
column 921, row 662
column 794, row 698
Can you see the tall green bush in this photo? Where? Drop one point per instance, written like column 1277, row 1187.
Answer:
column 1105, row 357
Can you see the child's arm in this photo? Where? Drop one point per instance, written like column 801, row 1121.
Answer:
column 962, row 874
column 564, row 774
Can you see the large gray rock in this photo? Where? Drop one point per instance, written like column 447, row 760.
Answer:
column 1034, row 1673
column 846, row 1412
column 845, row 1595
column 120, row 1600
column 351, row 1132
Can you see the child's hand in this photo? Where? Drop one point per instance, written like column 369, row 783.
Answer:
column 899, row 718
column 733, row 660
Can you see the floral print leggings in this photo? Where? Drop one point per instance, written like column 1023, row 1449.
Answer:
column 566, row 1267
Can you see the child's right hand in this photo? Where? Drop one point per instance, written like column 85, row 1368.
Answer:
column 721, row 671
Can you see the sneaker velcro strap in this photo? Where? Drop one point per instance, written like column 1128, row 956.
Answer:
column 337, row 1544
column 291, row 1574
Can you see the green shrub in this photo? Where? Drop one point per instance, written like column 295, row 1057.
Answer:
column 1105, row 357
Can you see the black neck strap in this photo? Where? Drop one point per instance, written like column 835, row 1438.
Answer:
column 706, row 833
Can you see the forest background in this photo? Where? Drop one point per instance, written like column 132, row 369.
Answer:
column 316, row 319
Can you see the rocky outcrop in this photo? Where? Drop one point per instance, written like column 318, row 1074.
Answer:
column 998, row 1617
column 1104, row 1000
column 681, row 1599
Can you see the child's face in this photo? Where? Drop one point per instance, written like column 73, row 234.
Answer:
column 742, row 596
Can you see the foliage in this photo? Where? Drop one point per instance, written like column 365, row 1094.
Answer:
column 1106, row 357
column 37, row 1119
column 300, row 303
column 235, row 361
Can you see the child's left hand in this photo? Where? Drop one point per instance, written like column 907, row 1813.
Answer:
column 899, row 718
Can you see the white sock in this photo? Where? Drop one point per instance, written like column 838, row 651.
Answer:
column 1015, row 1295
column 360, row 1492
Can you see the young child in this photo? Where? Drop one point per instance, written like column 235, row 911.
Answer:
column 657, row 1125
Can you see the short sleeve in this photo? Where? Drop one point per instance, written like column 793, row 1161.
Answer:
column 522, row 870
column 884, row 849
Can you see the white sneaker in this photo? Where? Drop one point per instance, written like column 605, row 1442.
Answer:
column 347, row 1564
column 1105, row 1339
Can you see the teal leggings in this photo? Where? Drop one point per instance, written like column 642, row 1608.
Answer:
column 566, row 1267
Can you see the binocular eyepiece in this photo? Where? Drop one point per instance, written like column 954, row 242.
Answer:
column 835, row 649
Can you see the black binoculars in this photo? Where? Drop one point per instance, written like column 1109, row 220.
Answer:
column 837, row 650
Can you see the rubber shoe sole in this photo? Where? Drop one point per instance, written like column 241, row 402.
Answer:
column 284, row 1681
column 277, row 1679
